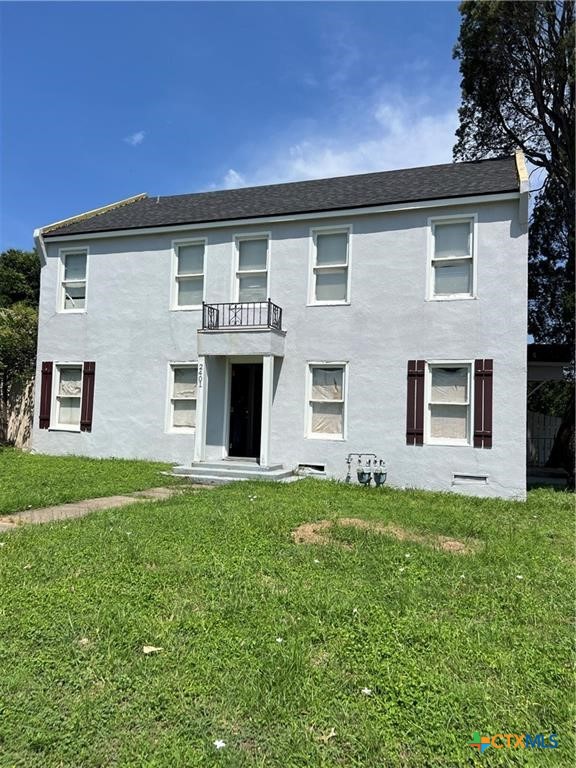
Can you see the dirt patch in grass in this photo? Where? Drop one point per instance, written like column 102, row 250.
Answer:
column 319, row 533
column 312, row 533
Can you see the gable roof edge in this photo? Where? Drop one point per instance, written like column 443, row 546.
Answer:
column 94, row 212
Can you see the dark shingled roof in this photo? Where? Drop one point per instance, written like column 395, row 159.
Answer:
column 482, row 177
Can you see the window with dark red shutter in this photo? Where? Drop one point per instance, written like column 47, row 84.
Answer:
column 45, row 395
column 415, row 403
column 483, row 375
column 87, row 397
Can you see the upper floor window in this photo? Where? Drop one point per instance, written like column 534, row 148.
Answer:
column 330, row 267
column 326, row 400
column 252, row 272
column 452, row 259
column 68, row 396
column 73, row 283
column 449, row 403
column 184, row 382
column 189, row 274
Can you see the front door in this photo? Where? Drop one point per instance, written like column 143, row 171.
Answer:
column 245, row 410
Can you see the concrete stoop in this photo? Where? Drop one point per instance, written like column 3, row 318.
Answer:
column 220, row 472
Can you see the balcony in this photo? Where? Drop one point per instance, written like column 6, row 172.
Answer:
column 242, row 314
column 241, row 328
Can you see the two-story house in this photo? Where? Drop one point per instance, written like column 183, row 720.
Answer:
column 281, row 327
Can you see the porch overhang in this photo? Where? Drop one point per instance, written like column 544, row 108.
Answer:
column 254, row 342
column 549, row 362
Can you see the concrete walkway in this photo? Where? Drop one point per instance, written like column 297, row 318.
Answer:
column 82, row 508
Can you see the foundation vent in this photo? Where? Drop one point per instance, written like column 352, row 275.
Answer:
column 310, row 470
column 459, row 478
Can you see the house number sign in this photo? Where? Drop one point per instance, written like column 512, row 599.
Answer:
column 200, row 374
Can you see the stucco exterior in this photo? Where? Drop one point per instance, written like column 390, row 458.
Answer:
column 131, row 333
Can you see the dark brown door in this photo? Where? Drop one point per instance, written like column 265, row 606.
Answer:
column 245, row 410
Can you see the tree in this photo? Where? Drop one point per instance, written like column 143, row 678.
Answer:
column 19, row 277
column 18, row 326
column 551, row 270
column 517, row 66
column 19, row 290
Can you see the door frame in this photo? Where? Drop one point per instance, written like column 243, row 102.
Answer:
column 267, row 398
column 230, row 361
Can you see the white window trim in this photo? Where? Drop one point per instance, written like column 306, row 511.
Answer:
column 55, row 426
column 314, row 232
column 60, row 293
column 472, row 219
column 174, row 274
column 260, row 235
column 428, row 440
column 170, row 398
column 308, row 422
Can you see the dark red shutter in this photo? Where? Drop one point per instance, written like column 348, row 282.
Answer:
column 483, row 370
column 415, row 403
column 45, row 396
column 87, row 397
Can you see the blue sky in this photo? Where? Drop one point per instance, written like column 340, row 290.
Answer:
column 101, row 101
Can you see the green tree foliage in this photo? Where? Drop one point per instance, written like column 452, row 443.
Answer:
column 19, row 277
column 19, row 290
column 551, row 270
column 517, row 66
column 17, row 341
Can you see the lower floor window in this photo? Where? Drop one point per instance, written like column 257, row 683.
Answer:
column 449, row 403
column 183, row 396
column 68, row 395
column 326, row 400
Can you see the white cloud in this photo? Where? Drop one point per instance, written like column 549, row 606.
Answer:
column 233, row 180
column 310, row 81
column 342, row 57
column 135, row 138
column 393, row 133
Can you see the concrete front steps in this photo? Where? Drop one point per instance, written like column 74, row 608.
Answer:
column 226, row 471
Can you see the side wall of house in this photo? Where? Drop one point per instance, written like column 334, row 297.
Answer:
column 132, row 335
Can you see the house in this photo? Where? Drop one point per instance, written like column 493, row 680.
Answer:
column 287, row 326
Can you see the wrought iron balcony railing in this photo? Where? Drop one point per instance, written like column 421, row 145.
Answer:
column 241, row 314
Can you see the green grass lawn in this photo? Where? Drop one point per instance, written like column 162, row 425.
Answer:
column 447, row 644
column 30, row 480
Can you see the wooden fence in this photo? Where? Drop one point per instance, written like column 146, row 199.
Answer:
column 540, row 437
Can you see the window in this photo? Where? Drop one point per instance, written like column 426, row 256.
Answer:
column 73, row 285
column 184, row 381
column 330, row 262
column 326, row 400
column 252, row 273
column 189, row 283
column 68, row 399
column 449, row 403
column 452, row 265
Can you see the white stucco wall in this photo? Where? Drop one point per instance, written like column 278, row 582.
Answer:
column 131, row 333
